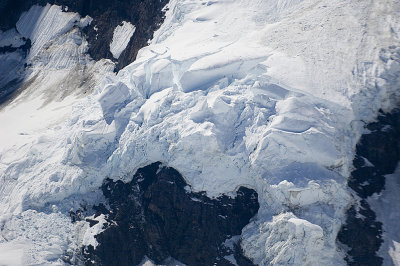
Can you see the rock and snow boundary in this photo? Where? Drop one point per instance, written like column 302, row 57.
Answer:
column 386, row 205
column 265, row 94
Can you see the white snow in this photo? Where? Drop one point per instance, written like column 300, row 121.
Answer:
column 267, row 94
column 387, row 209
column 49, row 95
column 286, row 240
column 60, row 75
column 122, row 35
column 88, row 237
column 43, row 24
column 11, row 254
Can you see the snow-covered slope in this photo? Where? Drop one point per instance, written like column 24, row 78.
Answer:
column 59, row 74
column 268, row 94
column 121, row 37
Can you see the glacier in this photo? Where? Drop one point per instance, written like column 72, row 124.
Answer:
column 271, row 95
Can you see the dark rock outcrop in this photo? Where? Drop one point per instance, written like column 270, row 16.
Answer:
column 155, row 215
column 377, row 154
column 146, row 15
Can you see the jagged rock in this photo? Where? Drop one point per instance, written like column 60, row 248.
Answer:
column 363, row 234
column 155, row 215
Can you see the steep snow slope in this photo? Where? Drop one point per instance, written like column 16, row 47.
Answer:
column 59, row 73
column 121, row 37
column 267, row 94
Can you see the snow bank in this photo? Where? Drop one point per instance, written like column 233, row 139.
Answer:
column 35, row 238
column 88, row 237
column 122, row 35
column 11, row 254
column 59, row 48
column 286, row 240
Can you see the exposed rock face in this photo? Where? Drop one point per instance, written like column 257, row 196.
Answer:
column 155, row 215
column 377, row 155
column 382, row 150
column 146, row 15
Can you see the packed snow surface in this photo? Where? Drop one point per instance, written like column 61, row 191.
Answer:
column 267, row 94
column 122, row 35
